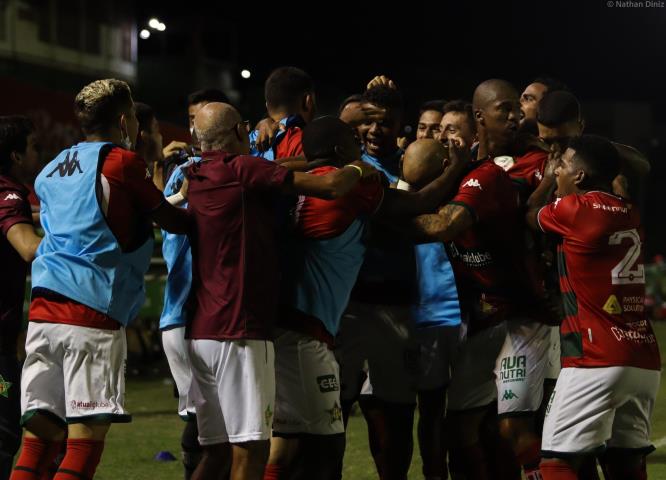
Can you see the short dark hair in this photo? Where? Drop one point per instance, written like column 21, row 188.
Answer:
column 100, row 103
column 355, row 98
column 207, row 95
column 145, row 115
column 600, row 158
column 385, row 97
column 436, row 105
column 14, row 132
column 551, row 83
column 464, row 107
column 558, row 107
column 322, row 135
column 285, row 87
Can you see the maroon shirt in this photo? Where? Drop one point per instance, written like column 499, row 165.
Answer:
column 14, row 208
column 234, row 258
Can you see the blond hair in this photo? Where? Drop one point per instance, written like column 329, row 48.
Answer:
column 100, row 103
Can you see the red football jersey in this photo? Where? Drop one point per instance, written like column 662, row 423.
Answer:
column 602, row 279
column 488, row 257
column 527, row 171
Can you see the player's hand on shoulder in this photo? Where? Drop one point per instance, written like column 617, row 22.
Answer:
column 175, row 147
column 266, row 132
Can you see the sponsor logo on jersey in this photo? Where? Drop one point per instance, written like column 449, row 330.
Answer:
column 4, row 387
column 636, row 336
column 472, row 182
column 327, row 383
column 67, row 167
column 509, row 395
column 613, row 306
column 504, row 162
column 471, row 258
column 513, row 368
column 610, row 208
column 335, row 413
column 538, row 175
column 12, row 196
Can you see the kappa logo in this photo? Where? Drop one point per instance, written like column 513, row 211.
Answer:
column 12, row 196
column 473, row 182
column 67, row 167
column 509, row 395
column 328, row 383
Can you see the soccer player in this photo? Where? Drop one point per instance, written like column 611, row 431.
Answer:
column 458, row 122
column 377, row 323
column 529, row 100
column 19, row 163
column 234, row 287
column 559, row 119
column 610, row 374
column 149, row 142
column 486, row 248
column 322, row 259
column 290, row 101
column 97, row 206
column 436, row 315
column 430, row 116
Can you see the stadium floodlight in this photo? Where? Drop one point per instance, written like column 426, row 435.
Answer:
column 246, row 73
column 161, row 27
column 154, row 23
column 144, row 34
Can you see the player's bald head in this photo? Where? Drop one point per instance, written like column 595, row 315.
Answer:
column 215, row 125
column 491, row 91
column 423, row 162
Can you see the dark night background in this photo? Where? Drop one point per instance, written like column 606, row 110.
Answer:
column 612, row 57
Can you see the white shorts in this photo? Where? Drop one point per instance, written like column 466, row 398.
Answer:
column 554, row 363
column 594, row 408
column 307, row 379
column 438, row 347
column 175, row 349
column 381, row 337
column 233, row 389
column 521, row 367
column 74, row 374
column 473, row 379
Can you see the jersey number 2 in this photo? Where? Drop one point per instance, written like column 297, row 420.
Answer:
column 628, row 271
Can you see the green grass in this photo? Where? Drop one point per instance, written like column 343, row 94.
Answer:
column 130, row 448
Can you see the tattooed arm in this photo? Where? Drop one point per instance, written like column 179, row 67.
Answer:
column 443, row 226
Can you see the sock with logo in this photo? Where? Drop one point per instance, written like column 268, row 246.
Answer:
column 81, row 459
column 558, row 471
column 529, row 459
column 35, row 458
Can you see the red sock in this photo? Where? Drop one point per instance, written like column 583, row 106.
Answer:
column 36, row 456
column 558, row 471
column 275, row 472
column 81, row 459
column 529, row 459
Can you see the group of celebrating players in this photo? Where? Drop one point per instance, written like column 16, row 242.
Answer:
column 490, row 273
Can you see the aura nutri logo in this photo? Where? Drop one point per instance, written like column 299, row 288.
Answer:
column 12, row 196
column 67, row 167
column 513, row 368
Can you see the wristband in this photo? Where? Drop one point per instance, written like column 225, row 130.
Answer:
column 360, row 170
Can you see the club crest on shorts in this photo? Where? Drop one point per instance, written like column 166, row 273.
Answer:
column 4, row 387
column 335, row 413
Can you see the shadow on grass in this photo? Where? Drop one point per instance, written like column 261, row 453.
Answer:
column 657, row 457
